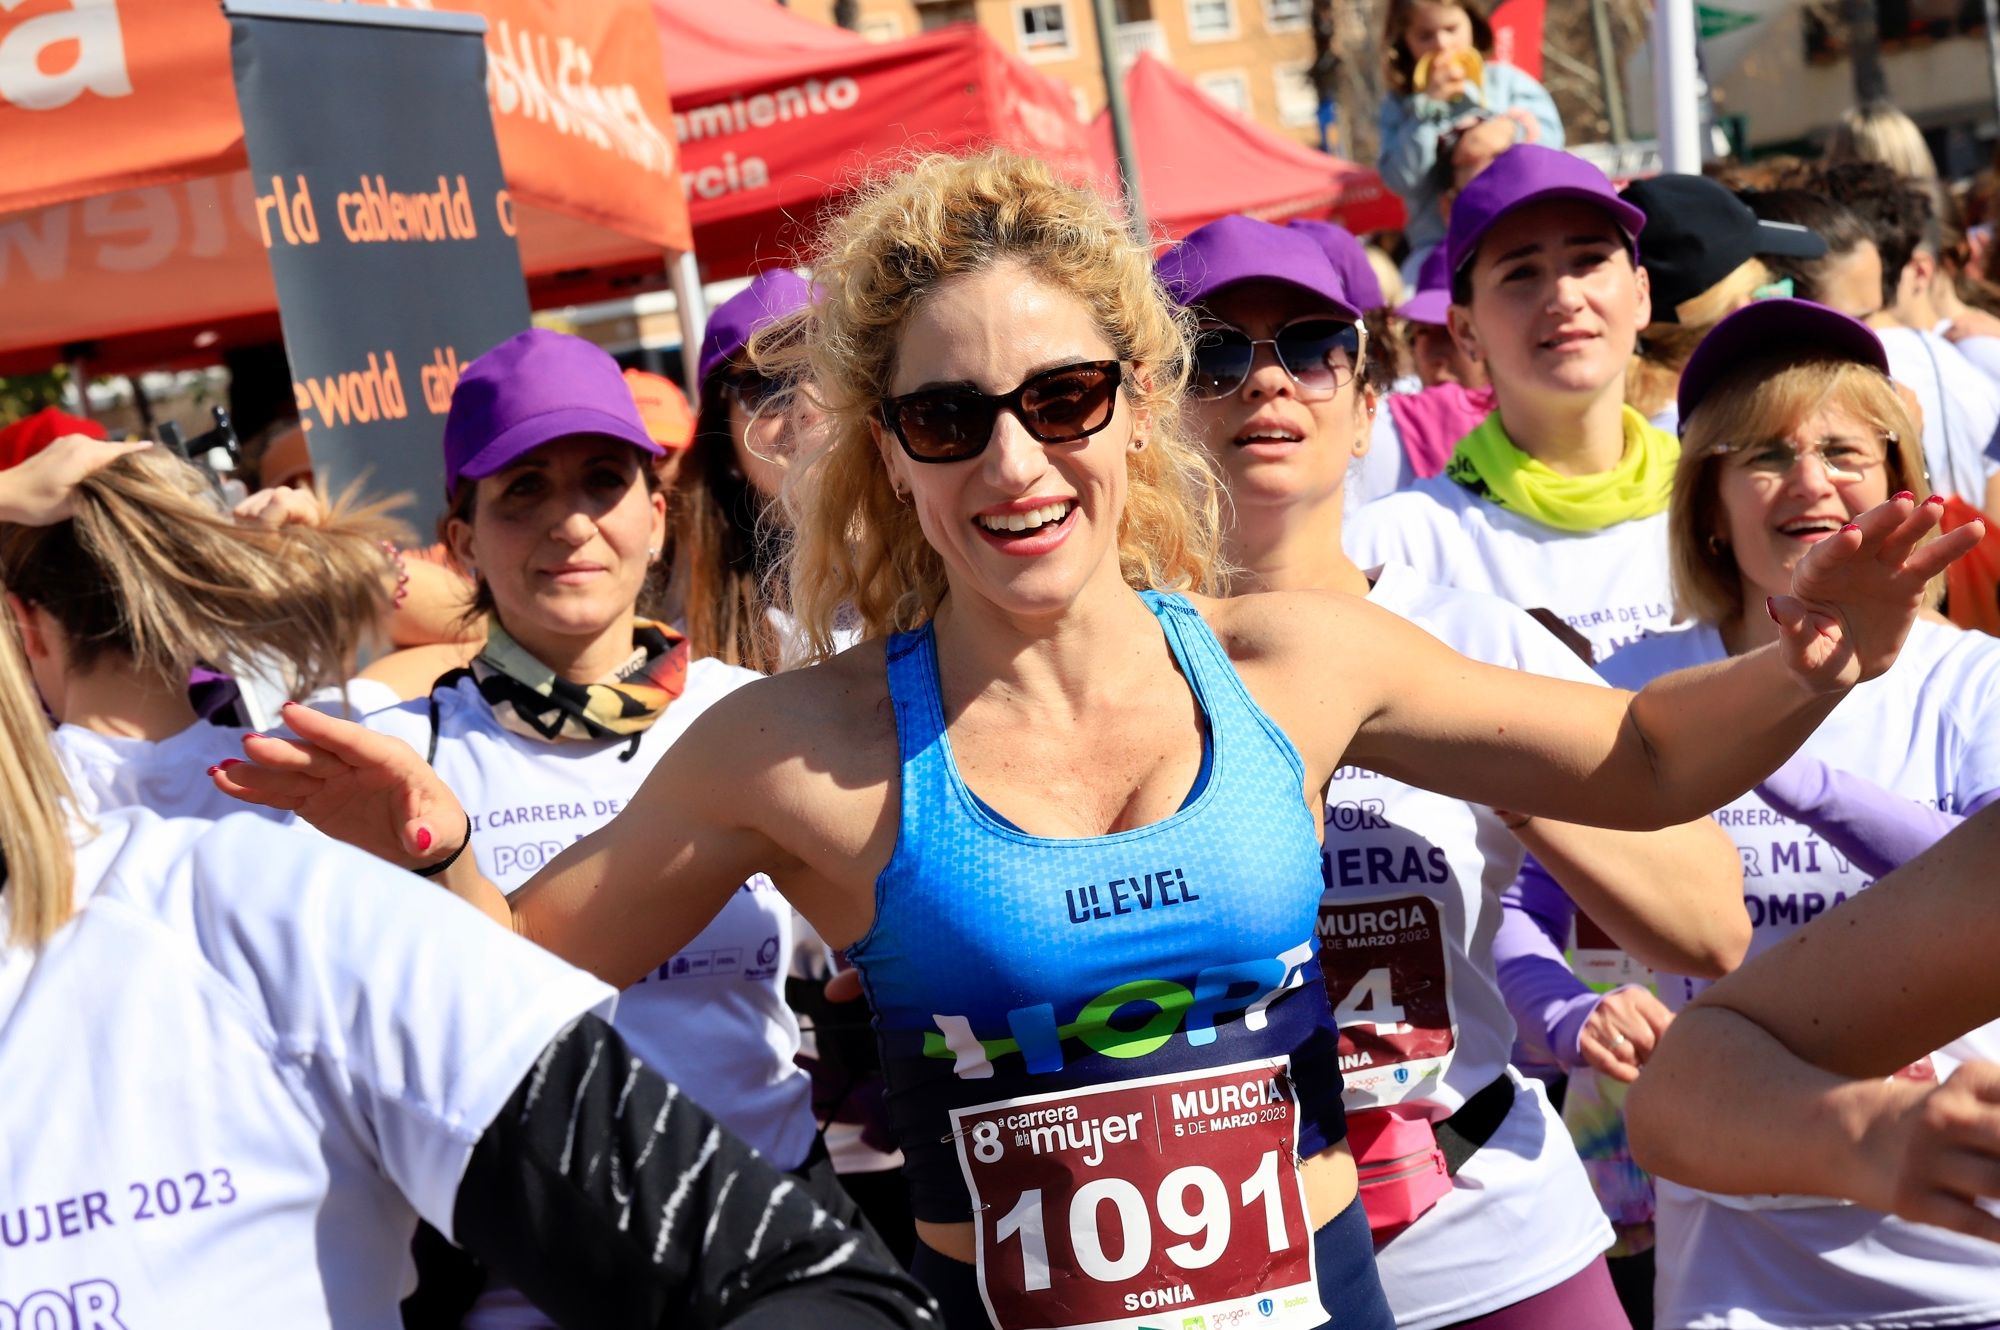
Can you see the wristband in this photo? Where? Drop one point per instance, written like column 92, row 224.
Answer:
column 433, row 870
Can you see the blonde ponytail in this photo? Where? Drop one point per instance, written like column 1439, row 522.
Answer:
column 152, row 568
column 34, row 828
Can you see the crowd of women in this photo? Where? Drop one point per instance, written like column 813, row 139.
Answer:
column 1264, row 901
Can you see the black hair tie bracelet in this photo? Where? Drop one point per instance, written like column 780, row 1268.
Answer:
column 434, row 869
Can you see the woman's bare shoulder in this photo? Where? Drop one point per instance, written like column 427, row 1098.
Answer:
column 1278, row 625
column 833, row 716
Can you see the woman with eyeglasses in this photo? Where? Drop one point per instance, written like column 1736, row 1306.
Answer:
column 556, row 511
column 1513, row 1237
column 1792, row 431
column 1062, row 806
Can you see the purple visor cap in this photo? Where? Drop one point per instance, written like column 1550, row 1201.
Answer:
column 1524, row 174
column 1767, row 329
column 1432, row 302
column 771, row 295
column 1349, row 258
column 535, row 387
column 1241, row 249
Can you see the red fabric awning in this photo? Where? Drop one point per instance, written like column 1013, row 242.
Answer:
column 778, row 118
column 126, row 216
column 1199, row 161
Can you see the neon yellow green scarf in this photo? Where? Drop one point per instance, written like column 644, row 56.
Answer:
column 1487, row 463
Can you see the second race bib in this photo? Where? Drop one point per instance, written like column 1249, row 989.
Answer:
column 1387, row 977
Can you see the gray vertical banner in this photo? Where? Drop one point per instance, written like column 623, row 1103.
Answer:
column 381, row 202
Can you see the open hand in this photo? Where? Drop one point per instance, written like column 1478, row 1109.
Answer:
column 1856, row 593
column 367, row 789
column 39, row 491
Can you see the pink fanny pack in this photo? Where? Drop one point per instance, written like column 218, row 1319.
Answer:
column 1405, row 1162
column 1402, row 1170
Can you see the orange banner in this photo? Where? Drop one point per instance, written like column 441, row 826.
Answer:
column 105, row 95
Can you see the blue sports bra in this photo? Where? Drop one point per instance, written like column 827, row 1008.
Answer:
column 1002, row 964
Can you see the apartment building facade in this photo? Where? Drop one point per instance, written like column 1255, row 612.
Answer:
column 1252, row 56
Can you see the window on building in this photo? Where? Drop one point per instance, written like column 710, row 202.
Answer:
column 1230, row 88
column 1298, row 100
column 882, row 27
column 937, row 13
column 1135, row 11
column 1286, row 15
column 1211, row 20
column 1043, row 29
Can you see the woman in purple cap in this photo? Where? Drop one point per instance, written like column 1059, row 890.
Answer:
column 1557, row 500
column 1513, row 1237
column 724, row 551
column 1791, row 430
column 1063, row 806
column 556, row 512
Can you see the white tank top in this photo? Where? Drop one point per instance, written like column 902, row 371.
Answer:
column 1413, row 882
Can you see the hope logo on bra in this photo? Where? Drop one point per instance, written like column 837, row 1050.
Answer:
column 1247, row 988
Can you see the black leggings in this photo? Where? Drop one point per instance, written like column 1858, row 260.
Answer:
column 1343, row 1248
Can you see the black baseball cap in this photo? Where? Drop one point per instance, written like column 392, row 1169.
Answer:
column 1698, row 232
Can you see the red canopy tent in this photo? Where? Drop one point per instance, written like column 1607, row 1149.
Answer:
column 126, row 217
column 1199, row 161
column 777, row 116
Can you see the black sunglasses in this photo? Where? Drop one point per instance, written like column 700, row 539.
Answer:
column 1056, row 406
column 1318, row 353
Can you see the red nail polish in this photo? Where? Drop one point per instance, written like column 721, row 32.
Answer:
column 1850, row 527
column 1900, row 495
column 1771, row 608
column 212, row 770
column 423, row 839
column 228, row 762
column 1937, row 499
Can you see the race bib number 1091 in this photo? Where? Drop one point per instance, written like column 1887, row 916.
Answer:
column 1148, row 1202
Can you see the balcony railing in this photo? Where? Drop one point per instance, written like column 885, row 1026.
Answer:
column 1132, row 38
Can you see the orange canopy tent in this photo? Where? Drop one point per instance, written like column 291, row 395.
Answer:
column 777, row 115
column 126, row 217
column 1199, row 161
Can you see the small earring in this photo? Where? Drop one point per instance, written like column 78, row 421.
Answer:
column 1139, row 444
column 1715, row 545
column 652, row 556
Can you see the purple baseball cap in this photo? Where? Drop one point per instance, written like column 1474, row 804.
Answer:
column 771, row 295
column 1524, row 174
column 1349, row 258
column 1432, row 302
column 533, row 388
column 1789, row 330
column 1236, row 249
